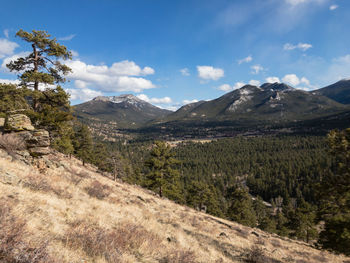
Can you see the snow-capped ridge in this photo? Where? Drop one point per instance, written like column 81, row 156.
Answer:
column 128, row 98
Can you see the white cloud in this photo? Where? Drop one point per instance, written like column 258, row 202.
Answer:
column 305, row 81
column 13, row 58
column 74, row 53
column 9, row 81
column 298, row 83
column 185, row 72
column 245, row 60
column 256, row 69
column 238, row 85
column 291, row 79
column 6, row 33
column 165, row 100
column 129, row 68
column 189, row 101
column 339, row 68
column 117, row 78
column 210, row 73
column 273, row 80
column 67, row 38
column 254, row 82
column 301, row 46
column 227, row 87
column 7, row 47
column 83, row 94
column 333, row 7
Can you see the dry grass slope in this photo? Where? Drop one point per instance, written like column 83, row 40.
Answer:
column 55, row 210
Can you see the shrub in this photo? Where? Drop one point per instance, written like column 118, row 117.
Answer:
column 11, row 143
column 181, row 256
column 110, row 244
column 98, row 190
column 256, row 255
column 13, row 247
column 37, row 182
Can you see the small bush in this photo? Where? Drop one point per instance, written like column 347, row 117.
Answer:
column 11, row 143
column 13, row 247
column 257, row 255
column 98, row 190
column 110, row 244
column 37, row 182
column 181, row 256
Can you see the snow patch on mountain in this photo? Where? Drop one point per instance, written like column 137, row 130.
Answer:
column 242, row 99
column 127, row 98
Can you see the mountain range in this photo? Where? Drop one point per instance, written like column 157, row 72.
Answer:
column 269, row 103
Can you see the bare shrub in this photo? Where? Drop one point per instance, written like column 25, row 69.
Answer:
column 98, row 190
column 182, row 256
column 11, row 143
column 13, row 247
column 110, row 244
column 37, row 182
column 242, row 232
column 256, row 255
column 276, row 243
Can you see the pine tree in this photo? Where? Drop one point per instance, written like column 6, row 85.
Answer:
column 42, row 65
column 83, row 144
column 303, row 222
column 202, row 196
column 162, row 176
column 241, row 209
column 49, row 106
column 12, row 98
column 335, row 195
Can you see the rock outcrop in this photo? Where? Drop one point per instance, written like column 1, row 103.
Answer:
column 37, row 140
column 18, row 122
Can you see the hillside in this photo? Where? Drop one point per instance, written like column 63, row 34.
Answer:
column 55, row 210
column 276, row 102
column 125, row 111
column 339, row 91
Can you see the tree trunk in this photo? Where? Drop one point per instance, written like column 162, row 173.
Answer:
column 160, row 191
column 36, row 83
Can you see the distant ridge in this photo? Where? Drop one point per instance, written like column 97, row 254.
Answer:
column 127, row 111
column 339, row 91
column 269, row 102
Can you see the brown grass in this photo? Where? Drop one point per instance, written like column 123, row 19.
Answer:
column 111, row 244
column 11, row 143
column 182, row 256
column 13, row 247
column 37, row 182
column 98, row 190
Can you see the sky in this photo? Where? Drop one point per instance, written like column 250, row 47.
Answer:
column 171, row 53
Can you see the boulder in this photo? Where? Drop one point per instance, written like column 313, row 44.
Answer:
column 39, row 151
column 18, row 122
column 9, row 178
column 39, row 138
column 39, row 142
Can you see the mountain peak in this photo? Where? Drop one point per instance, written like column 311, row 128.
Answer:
column 276, row 86
column 128, row 98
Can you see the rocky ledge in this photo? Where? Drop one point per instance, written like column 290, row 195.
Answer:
column 37, row 141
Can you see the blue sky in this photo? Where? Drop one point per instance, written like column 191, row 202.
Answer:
column 173, row 52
